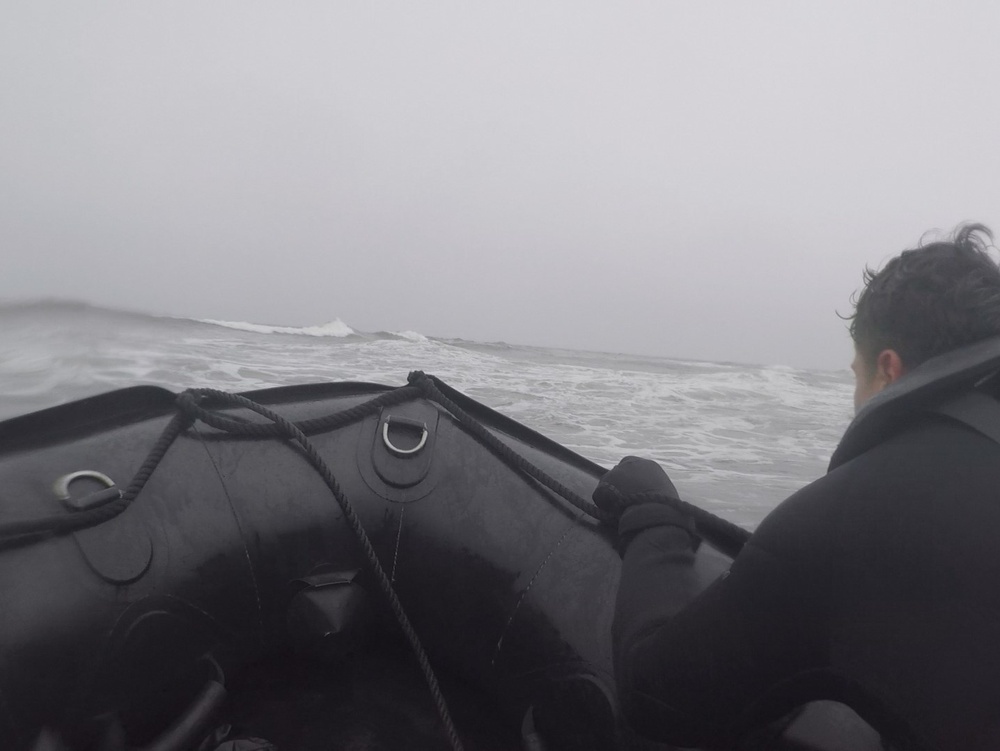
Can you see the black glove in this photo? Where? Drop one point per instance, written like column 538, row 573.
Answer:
column 638, row 494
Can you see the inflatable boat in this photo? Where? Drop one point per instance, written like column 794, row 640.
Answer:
column 331, row 566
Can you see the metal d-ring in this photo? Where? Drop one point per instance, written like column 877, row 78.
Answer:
column 61, row 486
column 409, row 423
column 111, row 493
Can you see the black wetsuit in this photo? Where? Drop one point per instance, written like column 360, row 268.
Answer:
column 878, row 585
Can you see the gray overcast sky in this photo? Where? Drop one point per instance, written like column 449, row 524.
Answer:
column 693, row 179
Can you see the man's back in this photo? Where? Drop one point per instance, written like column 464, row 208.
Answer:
column 915, row 585
column 877, row 585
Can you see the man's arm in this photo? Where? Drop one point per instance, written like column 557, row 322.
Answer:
column 697, row 666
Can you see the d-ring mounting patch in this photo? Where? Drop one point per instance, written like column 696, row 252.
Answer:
column 119, row 549
column 396, row 451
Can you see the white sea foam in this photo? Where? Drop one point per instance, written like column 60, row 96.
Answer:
column 336, row 328
column 413, row 336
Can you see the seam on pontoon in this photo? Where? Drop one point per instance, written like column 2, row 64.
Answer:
column 520, row 599
column 239, row 526
column 399, row 534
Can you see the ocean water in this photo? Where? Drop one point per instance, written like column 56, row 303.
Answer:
column 736, row 439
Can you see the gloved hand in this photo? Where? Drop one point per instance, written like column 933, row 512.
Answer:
column 638, row 494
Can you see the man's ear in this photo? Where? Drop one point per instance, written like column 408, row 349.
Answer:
column 889, row 367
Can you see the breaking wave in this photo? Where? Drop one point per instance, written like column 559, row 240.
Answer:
column 336, row 328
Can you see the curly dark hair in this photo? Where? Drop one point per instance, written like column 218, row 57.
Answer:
column 930, row 299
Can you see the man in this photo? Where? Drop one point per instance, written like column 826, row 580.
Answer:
column 878, row 585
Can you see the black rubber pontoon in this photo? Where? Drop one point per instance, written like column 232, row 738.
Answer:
column 234, row 572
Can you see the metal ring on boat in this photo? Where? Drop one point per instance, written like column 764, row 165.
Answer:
column 61, row 486
column 410, row 423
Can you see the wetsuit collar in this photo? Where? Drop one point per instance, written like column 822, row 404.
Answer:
column 923, row 387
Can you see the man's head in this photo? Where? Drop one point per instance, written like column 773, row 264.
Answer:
column 926, row 301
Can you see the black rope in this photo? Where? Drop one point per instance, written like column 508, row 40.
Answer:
column 32, row 530
column 506, row 453
column 188, row 403
column 730, row 536
column 59, row 524
column 314, row 425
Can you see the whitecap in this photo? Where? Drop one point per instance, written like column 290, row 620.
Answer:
column 413, row 336
column 336, row 327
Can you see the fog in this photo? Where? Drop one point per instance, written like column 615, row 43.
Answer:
column 695, row 180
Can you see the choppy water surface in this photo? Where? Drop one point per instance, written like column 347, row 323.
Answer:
column 736, row 439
